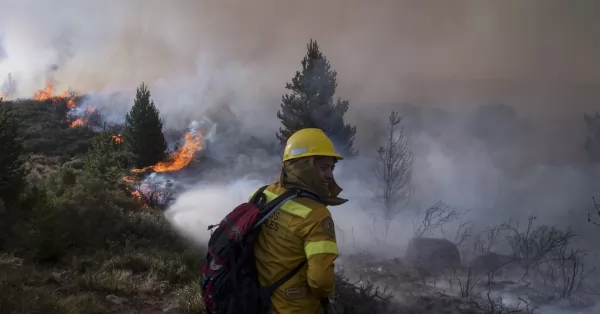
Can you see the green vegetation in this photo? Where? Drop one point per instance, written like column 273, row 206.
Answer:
column 45, row 129
column 11, row 161
column 103, row 160
column 76, row 241
column 311, row 103
column 143, row 132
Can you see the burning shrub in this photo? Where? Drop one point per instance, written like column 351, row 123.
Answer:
column 45, row 130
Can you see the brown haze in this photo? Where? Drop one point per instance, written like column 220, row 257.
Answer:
column 539, row 57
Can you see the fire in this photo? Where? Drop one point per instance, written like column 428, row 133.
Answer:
column 77, row 122
column 181, row 158
column 3, row 97
column 118, row 138
column 48, row 93
column 129, row 179
column 82, row 121
column 137, row 195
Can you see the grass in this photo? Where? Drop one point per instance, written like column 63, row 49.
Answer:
column 144, row 279
column 98, row 254
column 188, row 299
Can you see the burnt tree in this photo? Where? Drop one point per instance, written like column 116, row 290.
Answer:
column 393, row 171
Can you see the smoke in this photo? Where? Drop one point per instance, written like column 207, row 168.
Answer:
column 2, row 51
column 206, row 204
column 225, row 64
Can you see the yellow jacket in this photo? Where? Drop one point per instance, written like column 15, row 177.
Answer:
column 302, row 229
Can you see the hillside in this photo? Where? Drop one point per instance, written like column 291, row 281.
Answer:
column 88, row 234
column 76, row 244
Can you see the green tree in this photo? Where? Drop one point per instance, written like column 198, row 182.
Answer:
column 103, row 160
column 143, row 135
column 11, row 158
column 311, row 103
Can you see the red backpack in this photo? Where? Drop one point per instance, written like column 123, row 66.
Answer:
column 229, row 281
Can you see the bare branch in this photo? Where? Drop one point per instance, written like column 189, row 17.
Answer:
column 464, row 231
column 393, row 171
column 597, row 208
column 359, row 297
column 9, row 87
column 489, row 238
column 435, row 218
column 535, row 243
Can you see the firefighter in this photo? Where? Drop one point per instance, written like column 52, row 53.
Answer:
column 302, row 229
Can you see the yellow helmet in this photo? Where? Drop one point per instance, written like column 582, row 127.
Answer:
column 309, row 142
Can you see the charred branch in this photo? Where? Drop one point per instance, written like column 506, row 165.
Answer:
column 434, row 219
column 597, row 208
column 489, row 238
column 393, row 171
column 464, row 231
column 534, row 244
column 359, row 297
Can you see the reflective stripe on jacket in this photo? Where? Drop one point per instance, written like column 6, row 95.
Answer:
column 302, row 229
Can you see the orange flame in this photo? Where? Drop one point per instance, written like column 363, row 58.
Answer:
column 3, row 96
column 129, row 179
column 137, row 195
column 45, row 93
column 180, row 158
column 82, row 121
column 77, row 122
column 48, row 93
column 118, row 138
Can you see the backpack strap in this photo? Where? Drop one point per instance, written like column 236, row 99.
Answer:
column 269, row 208
column 285, row 278
column 267, row 292
column 259, row 198
column 272, row 206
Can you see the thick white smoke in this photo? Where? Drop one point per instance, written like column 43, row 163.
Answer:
column 206, row 204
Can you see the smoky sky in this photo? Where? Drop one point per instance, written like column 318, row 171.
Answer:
column 437, row 61
column 429, row 52
column 537, row 56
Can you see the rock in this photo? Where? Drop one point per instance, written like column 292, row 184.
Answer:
column 491, row 261
column 115, row 299
column 432, row 255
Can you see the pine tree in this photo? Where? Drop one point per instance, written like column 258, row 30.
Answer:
column 103, row 159
column 11, row 161
column 311, row 104
column 143, row 134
